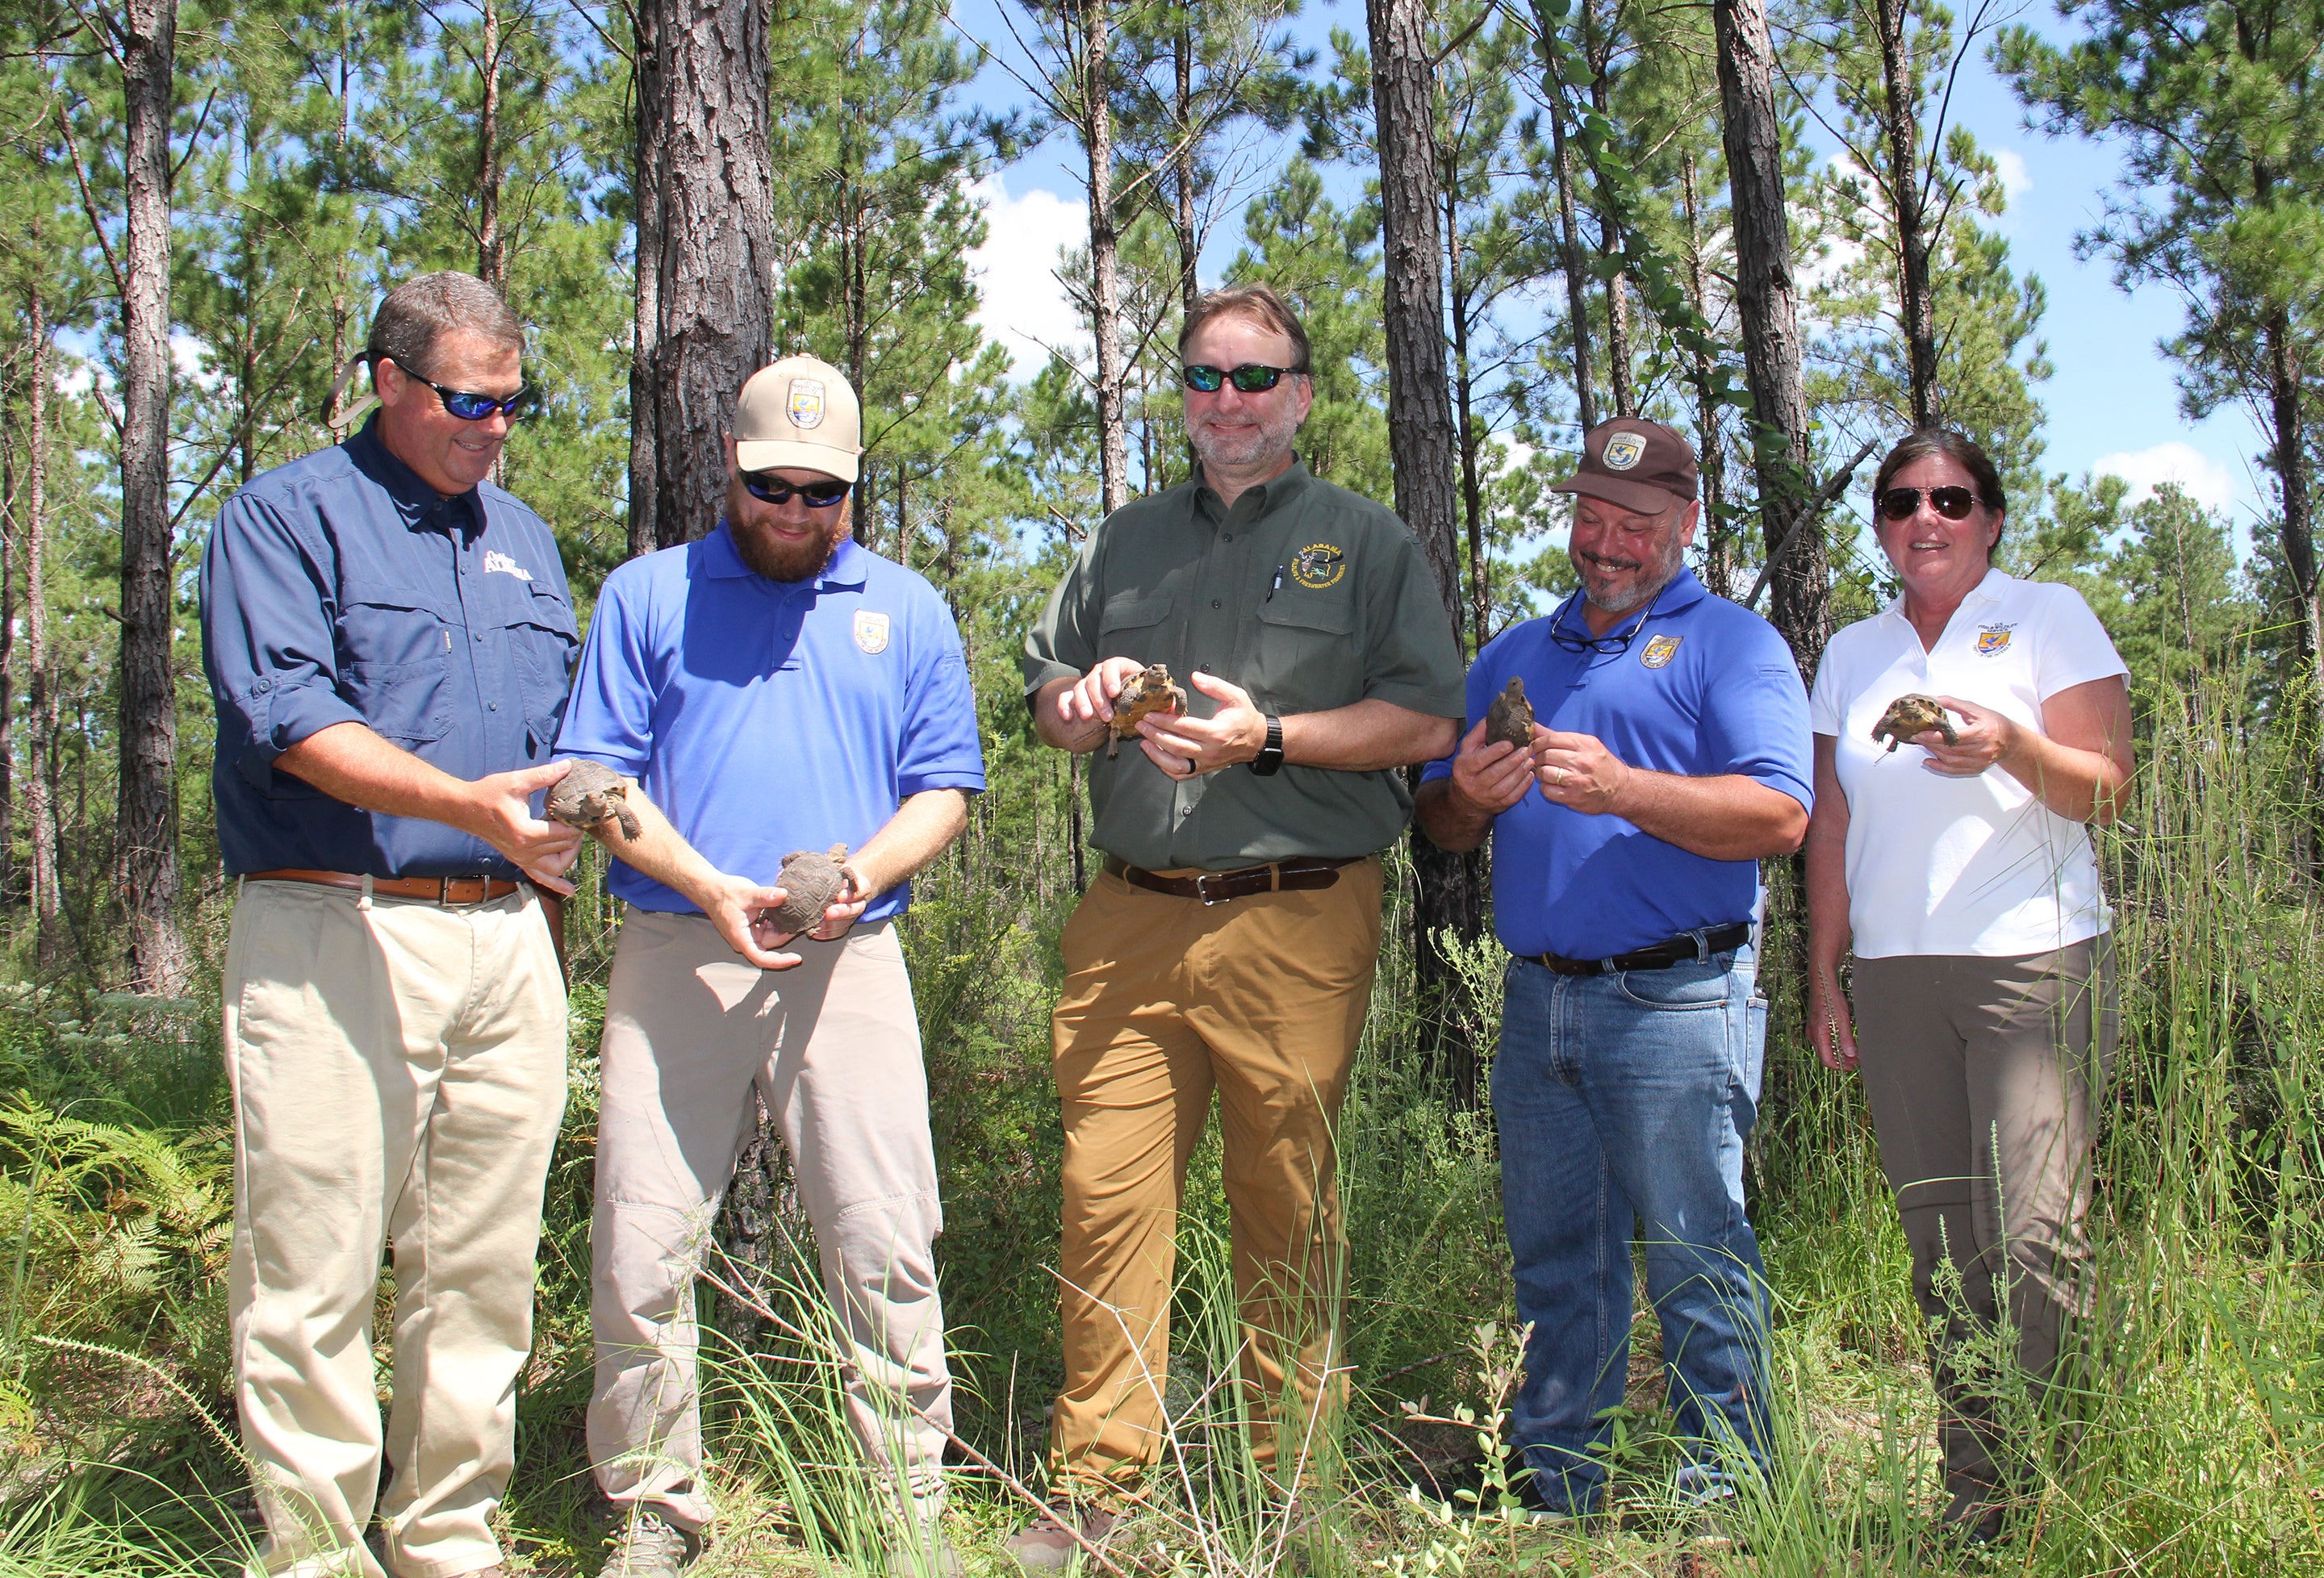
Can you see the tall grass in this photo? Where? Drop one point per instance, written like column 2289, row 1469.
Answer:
column 2186, row 1436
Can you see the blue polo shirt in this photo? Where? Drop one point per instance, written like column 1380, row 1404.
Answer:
column 340, row 589
column 1706, row 689
column 765, row 716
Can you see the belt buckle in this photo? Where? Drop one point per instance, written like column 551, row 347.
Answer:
column 1203, row 890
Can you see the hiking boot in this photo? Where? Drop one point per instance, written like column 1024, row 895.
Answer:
column 1045, row 1546
column 648, row 1548
column 929, row 1557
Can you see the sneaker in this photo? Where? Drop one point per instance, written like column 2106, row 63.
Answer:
column 648, row 1548
column 1045, row 1546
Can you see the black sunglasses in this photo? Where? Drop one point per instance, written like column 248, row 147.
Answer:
column 1251, row 378
column 1601, row 644
column 770, row 489
column 1952, row 503
column 466, row 404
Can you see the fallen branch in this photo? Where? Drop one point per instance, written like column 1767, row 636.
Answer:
column 1834, row 485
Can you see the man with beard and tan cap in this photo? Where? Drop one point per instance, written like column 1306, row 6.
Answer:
column 772, row 687
column 1670, row 754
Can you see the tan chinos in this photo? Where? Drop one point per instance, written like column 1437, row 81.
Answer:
column 398, row 1072
column 1982, row 1075
column 1167, row 999
column 833, row 1048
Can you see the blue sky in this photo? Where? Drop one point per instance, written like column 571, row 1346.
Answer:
column 2112, row 404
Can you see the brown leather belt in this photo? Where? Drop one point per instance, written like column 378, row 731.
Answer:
column 1679, row 949
column 441, row 890
column 1217, row 888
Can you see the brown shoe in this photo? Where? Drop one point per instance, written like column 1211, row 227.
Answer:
column 1047, row 1543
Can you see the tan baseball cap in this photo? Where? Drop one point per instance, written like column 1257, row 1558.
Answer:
column 1636, row 465
column 799, row 412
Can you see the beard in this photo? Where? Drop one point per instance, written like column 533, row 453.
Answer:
column 1270, row 438
column 771, row 556
column 1645, row 590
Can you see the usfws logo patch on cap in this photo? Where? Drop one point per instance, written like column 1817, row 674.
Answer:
column 1318, row 565
column 1992, row 640
column 1623, row 451
column 1660, row 650
column 806, row 405
column 871, row 630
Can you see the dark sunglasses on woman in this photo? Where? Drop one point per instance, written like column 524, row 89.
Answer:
column 1952, row 503
column 469, row 406
column 770, row 489
column 1252, row 377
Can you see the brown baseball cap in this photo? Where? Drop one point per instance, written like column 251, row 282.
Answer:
column 799, row 412
column 1637, row 465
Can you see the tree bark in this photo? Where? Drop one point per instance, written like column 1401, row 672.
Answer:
column 1422, row 446
column 1577, row 279
column 1766, row 294
column 492, row 253
column 2290, row 461
column 1472, row 486
column 645, row 319
column 39, row 781
column 1096, row 102
column 1598, row 46
column 1719, row 545
column 1900, row 125
column 158, row 962
column 1181, row 50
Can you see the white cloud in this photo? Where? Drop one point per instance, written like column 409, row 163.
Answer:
column 1024, row 308
column 2205, row 480
column 2017, row 180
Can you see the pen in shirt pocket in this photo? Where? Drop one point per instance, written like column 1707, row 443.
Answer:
column 1277, row 587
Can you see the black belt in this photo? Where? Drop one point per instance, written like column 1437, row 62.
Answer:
column 1216, row 888
column 1683, row 949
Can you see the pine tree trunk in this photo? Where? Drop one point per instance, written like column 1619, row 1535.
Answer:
column 715, row 302
column 1181, row 50
column 1473, row 485
column 1105, row 264
column 1577, row 279
column 1422, row 445
column 1622, row 383
column 1767, row 294
column 492, row 253
column 159, row 963
column 1718, row 544
column 39, row 781
column 645, row 323
column 1900, row 125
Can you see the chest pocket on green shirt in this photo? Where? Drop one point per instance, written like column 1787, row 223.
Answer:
column 1305, row 657
column 1128, row 627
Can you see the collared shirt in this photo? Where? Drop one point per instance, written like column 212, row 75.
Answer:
column 1940, row 864
column 340, row 589
column 764, row 716
column 1304, row 594
column 1705, row 689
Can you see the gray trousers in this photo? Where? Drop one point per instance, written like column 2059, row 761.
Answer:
column 834, row 1047
column 1982, row 1075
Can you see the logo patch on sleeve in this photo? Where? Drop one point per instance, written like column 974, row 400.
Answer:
column 1659, row 650
column 807, row 402
column 1993, row 639
column 1318, row 565
column 871, row 630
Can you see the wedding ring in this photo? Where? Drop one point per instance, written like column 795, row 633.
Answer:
column 1560, row 780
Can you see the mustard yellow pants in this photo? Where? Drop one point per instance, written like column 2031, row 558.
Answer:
column 1166, row 1000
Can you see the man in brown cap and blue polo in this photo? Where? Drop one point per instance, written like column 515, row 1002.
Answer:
column 1669, row 754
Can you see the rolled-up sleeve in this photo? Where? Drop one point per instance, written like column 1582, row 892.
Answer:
column 269, row 641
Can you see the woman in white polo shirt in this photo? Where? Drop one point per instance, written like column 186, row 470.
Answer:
column 1984, row 972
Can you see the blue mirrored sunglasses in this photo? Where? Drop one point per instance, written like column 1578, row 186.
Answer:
column 1252, row 377
column 466, row 404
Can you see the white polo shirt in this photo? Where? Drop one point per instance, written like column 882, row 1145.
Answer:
column 1939, row 865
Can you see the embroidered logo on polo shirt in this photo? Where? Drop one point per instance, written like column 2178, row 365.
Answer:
column 1660, row 650
column 1992, row 640
column 871, row 630
column 500, row 564
column 1318, row 565
column 807, row 402
column 1623, row 451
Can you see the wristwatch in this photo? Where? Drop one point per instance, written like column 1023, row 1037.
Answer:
column 1269, row 759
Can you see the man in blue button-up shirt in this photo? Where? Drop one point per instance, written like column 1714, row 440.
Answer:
column 387, row 636
column 772, row 687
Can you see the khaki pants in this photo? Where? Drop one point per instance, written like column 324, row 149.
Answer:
column 398, row 1072
column 833, row 1048
column 1166, row 999
column 1980, row 1074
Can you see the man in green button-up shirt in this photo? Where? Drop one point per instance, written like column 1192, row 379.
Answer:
column 1231, row 943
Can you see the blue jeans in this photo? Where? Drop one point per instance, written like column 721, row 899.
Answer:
column 1620, row 1096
